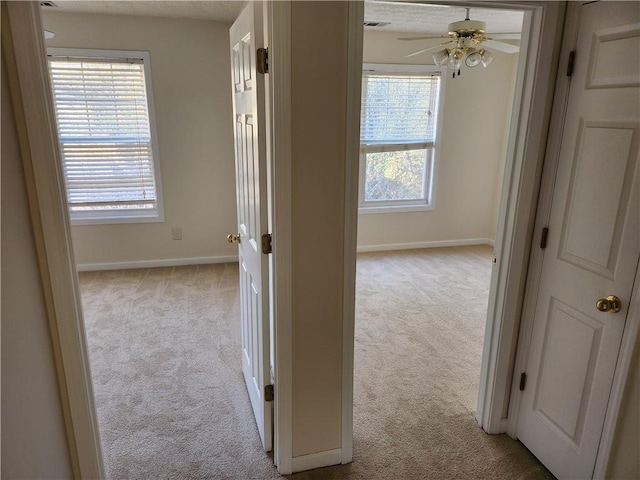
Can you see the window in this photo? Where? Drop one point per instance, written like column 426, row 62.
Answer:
column 105, row 126
column 398, row 137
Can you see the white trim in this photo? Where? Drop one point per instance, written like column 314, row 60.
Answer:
column 122, row 216
column 316, row 460
column 433, row 244
column 108, row 219
column 525, row 155
column 279, row 31
column 352, row 172
column 369, row 210
column 97, row 53
column 23, row 45
column 403, row 68
column 163, row 262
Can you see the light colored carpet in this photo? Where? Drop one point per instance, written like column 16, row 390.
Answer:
column 171, row 401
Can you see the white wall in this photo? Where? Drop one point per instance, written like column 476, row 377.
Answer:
column 191, row 77
column 34, row 443
column 473, row 138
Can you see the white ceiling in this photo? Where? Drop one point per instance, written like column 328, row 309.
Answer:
column 216, row 10
column 421, row 18
column 403, row 17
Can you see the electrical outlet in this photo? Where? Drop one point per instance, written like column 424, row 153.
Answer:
column 176, row 232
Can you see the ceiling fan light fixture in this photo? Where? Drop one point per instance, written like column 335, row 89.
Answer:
column 455, row 58
column 441, row 58
column 466, row 46
column 487, row 58
column 473, row 59
column 455, row 64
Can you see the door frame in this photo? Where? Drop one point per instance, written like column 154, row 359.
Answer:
column 278, row 41
column 24, row 49
column 543, row 23
column 351, row 202
column 632, row 325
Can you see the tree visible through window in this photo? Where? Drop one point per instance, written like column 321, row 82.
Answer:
column 105, row 133
column 398, row 137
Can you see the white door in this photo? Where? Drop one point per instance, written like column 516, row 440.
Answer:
column 251, row 189
column 593, row 247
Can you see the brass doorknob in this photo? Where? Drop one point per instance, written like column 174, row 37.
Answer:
column 609, row 304
column 233, row 238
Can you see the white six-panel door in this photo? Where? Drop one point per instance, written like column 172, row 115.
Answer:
column 251, row 175
column 593, row 247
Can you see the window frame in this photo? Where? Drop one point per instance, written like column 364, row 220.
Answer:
column 121, row 216
column 413, row 205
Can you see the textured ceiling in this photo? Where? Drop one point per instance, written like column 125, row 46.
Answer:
column 219, row 11
column 403, row 17
column 421, row 18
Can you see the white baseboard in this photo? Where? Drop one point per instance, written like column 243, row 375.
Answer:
column 439, row 243
column 167, row 262
column 316, row 460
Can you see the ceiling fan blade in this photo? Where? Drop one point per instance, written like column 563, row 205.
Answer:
column 501, row 46
column 425, row 50
column 505, row 36
column 408, row 39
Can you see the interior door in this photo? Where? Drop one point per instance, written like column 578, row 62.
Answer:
column 593, row 247
column 251, row 189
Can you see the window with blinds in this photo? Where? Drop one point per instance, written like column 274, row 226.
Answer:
column 102, row 103
column 398, row 137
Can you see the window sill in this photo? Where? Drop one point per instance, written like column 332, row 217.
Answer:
column 116, row 219
column 395, row 209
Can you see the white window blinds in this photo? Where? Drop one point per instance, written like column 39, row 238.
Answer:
column 399, row 109
column 103, row 125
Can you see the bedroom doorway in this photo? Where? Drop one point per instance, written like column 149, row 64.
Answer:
column 429, row 212
column 157, row 277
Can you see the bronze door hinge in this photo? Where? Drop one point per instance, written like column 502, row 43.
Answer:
column 268, row 393
column 266, row 244
column 262, row 60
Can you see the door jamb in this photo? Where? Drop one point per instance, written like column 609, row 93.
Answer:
column 279, row 43
column 556, row 130
column 514, row 238
column 632, row 326
column 352, row 173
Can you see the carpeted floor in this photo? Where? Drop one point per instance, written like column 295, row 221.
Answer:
column 171, row 400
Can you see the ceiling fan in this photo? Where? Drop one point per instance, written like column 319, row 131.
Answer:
column 467, row 42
